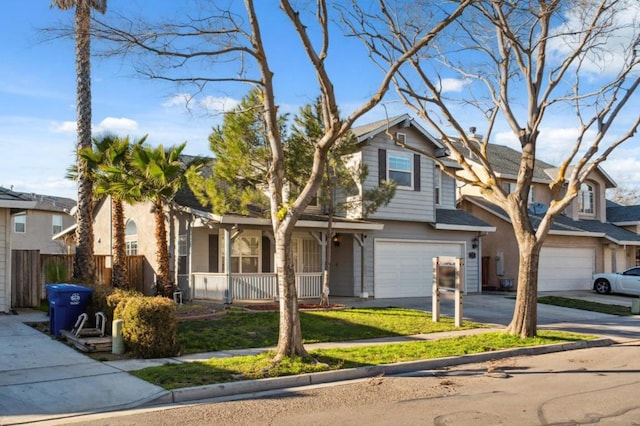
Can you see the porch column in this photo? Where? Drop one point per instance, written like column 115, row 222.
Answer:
column 360, row 239
column 228, row 296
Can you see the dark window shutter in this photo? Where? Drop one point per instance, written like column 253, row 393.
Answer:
column 266, row 254
column 382, row 165
column 213, row 253
column 416, row 172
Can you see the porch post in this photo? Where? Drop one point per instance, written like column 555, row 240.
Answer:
column 360, row 239
column 228, row 296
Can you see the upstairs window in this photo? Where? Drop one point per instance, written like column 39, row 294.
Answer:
column 585, row 199
column 400, row 169
column 20, row 223
column 510, row 187
column 56, row 224
column 131, row 238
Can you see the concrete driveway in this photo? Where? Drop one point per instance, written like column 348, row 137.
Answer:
column 42, row 378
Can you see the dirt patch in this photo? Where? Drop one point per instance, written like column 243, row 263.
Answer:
column 193, row 311
column 301, row 306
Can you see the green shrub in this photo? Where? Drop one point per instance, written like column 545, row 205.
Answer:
column 149, row 328
column 119, row 295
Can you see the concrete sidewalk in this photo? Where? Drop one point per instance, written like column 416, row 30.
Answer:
column 42, row 378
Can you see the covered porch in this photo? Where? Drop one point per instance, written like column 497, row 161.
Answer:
column 232, row 257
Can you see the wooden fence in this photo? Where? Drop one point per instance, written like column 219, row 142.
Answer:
column 30, row 271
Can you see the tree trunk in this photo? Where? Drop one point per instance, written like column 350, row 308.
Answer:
column 525, row 314
column 119, row 276
column 164, row 284
column 83, row 267
column 290, row 332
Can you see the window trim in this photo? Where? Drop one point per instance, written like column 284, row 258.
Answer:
column 245, row 234
column 587, row 189
column 23, row 222
column 510, row 187
column 54, row 225
column 130, row 239
column 403, row 156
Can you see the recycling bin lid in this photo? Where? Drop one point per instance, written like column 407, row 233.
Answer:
column 62, row 287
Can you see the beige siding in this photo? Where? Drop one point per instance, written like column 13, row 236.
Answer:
column 39, row 230
column 407, row 204
column 5, row 261
column 448, row 191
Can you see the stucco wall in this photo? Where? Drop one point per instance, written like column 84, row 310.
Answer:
column 39, row 230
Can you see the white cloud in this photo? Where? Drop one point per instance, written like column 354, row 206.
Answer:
column 453, row 84
column 116, row 125
column 218, row 104
column 613, row 44
column 63, row 127
column 181, row 99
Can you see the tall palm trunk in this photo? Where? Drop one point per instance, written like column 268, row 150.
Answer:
column 164, row 283
column 83, row 267
column 119, row 277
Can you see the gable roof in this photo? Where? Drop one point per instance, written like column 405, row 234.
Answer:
column 564, row 225
column 368, row 131
column 506, row 162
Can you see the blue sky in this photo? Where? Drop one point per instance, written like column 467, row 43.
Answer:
column 37, row 98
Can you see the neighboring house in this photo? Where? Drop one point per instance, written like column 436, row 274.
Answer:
column 627, row 217
column 396, row 244
column 34, row 228
column 11, row 203
column 582, row 241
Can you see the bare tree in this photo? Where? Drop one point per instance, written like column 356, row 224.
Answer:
column 220, row 38
column 521, row 61
column 625, row 195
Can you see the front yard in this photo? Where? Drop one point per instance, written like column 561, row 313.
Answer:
column 238, row 330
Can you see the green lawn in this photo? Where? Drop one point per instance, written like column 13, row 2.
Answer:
column 238, row 330
column 222, row 370
column 585, row 305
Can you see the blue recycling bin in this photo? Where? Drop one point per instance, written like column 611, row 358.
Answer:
column 66, row 303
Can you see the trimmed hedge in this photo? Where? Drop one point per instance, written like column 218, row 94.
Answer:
column 149, row 328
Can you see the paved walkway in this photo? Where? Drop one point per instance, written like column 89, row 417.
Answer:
column 42, row 378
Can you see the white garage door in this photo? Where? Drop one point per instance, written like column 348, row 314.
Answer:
column 405, row 268
column 565, row 268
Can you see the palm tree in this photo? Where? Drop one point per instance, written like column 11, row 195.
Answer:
column 108, row 162
column 158, row 175
column 83, row 266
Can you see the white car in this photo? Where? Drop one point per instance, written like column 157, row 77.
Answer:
column 627, row 282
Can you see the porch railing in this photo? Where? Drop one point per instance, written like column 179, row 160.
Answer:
column 252, row 286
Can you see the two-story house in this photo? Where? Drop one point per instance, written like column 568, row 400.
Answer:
column 581, row 242
column 388, row 254
column 11, row 203
column 34, row 228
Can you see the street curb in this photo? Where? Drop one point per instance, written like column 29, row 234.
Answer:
column 308, row 379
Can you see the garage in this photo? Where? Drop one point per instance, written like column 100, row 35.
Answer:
column 564, row 268
column 404, row 268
